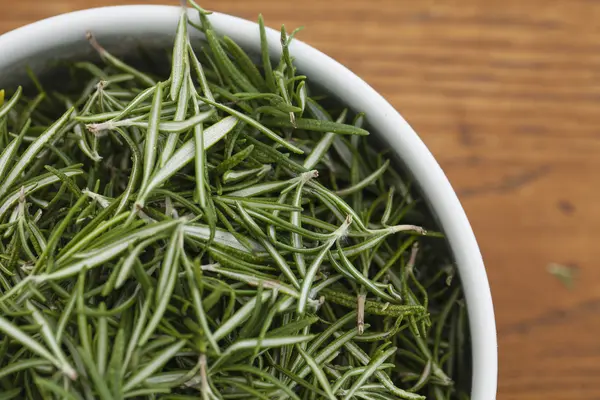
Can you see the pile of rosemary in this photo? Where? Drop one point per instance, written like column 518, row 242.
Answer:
column 220, row 233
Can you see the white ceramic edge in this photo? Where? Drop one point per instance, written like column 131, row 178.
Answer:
column 27, row 41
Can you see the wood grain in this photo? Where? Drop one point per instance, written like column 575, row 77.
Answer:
column 506, row 94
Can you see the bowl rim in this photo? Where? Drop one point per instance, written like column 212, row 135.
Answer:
column 25, row 42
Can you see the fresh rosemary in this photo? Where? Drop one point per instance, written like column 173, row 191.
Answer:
column 220, row 233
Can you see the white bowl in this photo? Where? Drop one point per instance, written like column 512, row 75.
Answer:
column 120, row 28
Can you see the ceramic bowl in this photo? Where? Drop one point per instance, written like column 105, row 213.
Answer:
column 122, row 28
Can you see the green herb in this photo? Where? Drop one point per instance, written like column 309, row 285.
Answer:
column 216, row 233
column 564, row 273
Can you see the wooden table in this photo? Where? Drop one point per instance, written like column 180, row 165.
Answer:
column 506, row 94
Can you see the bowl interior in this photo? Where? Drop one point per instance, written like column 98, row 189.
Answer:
column 123, row 30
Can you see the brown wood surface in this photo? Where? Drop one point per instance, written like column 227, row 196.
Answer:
column 506, row 94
